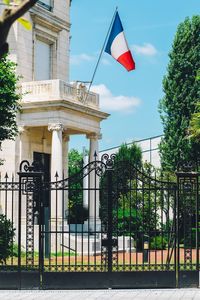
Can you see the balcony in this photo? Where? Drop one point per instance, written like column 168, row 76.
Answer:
column 51, row 90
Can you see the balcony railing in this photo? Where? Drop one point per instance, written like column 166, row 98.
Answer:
column 58, row 90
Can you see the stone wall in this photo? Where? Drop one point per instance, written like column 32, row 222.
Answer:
column 53, row 27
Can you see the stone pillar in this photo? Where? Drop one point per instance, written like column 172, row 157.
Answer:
column 65, row 154
column 94, row 146
column 65, row 169
column 21, row 130
column 56, row 167
column 94, row 223
column 24, row 153
column 56, row 150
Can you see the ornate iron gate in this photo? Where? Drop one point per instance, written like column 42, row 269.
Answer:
column 112, row 225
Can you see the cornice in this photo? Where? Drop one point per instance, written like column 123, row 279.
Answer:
column 48, row 19
column 37, row 106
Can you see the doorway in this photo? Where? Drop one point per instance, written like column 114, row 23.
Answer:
column 43, row 160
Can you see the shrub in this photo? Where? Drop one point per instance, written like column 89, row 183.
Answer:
column 158, row 243
column 7, row 233
column 77, row 213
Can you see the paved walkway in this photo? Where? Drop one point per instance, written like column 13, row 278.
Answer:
column 158, row 294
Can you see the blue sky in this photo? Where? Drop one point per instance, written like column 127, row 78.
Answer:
column 150, row 26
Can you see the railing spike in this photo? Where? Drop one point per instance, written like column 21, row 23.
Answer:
column 6, row 176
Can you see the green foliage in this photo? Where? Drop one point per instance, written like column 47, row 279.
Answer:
column 138, row 209
column 158, row 243
column 126, row 159
column 9, row 99
column 77, row 214
column 15, row 251
column 195, row 124
column 75, row 162
column 181, row 93
column 130, row 154
column 7, row 233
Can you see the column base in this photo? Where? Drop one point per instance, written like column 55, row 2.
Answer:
column 93, row 225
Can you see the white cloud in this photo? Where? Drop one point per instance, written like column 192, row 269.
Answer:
column 109, row 102
column 79, row 58
column 147, row 49
column 105, row 62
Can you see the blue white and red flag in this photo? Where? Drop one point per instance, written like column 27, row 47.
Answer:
column 117, row 45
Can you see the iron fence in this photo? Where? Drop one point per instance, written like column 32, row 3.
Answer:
column 138, row 228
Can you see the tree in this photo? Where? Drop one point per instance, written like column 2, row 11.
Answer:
column 77, row 214
column 9, row 16
column 75, row 162
column 7, row 233
column 195, row 124
column 126, row 160
column 195, row 121
column 131, row 154
column 9, row 99
column 182, row 92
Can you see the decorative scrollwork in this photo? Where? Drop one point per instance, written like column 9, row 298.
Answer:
column 97, row 166
column 25, row 166
column 188, row 166
column 108, row 160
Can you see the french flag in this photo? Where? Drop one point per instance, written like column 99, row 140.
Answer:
column 117, row 45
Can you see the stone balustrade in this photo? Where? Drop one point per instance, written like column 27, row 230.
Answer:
column 50, row 90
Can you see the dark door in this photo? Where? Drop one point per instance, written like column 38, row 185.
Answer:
column 43, row 160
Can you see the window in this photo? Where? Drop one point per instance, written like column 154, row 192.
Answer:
column 43, row 61
column 48, row 4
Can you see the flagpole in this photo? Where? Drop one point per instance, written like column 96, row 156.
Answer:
column 100, row 55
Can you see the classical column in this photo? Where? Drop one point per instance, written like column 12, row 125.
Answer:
column 65, row 169
column 56, row 150
column 65, row 153
column 21, row 130
column 94, row 145
column 56, row 167
column 93, row 184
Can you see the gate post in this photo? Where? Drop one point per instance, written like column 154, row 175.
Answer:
column 187, row 228
column 109, row 242
column 30, row 187
column 110, row 219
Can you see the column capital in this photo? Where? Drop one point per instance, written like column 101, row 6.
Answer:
column 21, row 129
column 94, row 136
column 55, row 126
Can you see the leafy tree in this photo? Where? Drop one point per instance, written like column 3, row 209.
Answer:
column 15, row 10
column 131, row 154
column 75, row 162
column 7, row 233
column 77, row 214
column 137, row 207
column 195, row 124
column 9, row 99
column 126, row 159
column 182, row 91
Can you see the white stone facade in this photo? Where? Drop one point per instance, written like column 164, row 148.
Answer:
column 52, row 100
column 51, row 109
column 52, row 27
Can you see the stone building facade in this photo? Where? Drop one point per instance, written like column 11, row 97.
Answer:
column 51, row 108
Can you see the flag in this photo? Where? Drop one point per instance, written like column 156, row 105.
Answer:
column 117, row 45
